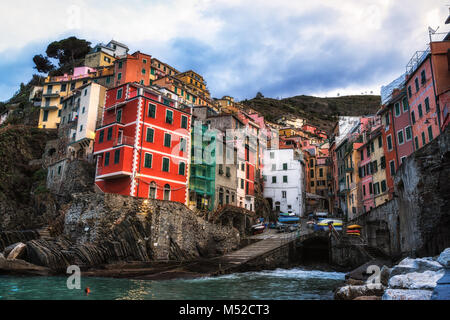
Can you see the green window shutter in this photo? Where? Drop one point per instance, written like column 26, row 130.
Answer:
column 166, row 163
column 169, row 116
column 182, row 144
column 102, row 136
column 427, row 105
column 150, row 135
column 408, row 133
column 119, row 92
column 117, row 156
column 423, row 139
column 430, row 133
column 148, row 160
column 107, row 159
column 109, row 136
column 413, row 117
column 383, row 186
column 420, row 110
column 285, row 179
column 184, row 122
column 285, row 166
column 167, row 140
column 182, row 168
column 151, row 110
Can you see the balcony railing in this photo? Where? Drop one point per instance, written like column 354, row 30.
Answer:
column 124, row 141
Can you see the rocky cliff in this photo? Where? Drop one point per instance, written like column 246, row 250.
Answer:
column 105, row 228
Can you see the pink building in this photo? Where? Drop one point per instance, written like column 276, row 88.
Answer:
column 366, row 178
column 422, row 102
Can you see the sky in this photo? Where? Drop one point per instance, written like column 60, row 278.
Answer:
column 280, row 48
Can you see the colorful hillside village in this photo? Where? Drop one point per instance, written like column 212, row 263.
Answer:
column 155, row 132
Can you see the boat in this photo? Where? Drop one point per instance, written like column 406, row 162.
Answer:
column 323, row 224
column 283, row 214
column 258, row 228
column 354, row 226
column 288, row 219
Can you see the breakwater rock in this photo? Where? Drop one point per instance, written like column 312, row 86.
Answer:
column 107, row 228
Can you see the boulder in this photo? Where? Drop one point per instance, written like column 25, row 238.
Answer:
column 419, row 265
column 442, row 289
column 444, row 258
column 18, row 266
column 9, row 248
column 17, row 252
column 415, row 280
column 401, row 294
column 352, row 292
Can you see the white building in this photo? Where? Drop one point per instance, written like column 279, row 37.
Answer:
column 284, row 180
column 113, row 48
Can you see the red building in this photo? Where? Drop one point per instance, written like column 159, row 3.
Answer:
column 133, row 68
column 142, row 147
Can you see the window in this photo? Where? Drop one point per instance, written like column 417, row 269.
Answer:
column 400, row 137
column 184, row 122
column 274, row 179
column 423, row 139
column 423, row 78
column 182, row 168
column 397, row 109
column 285, row 179
column 101, row 136
column 117, row 156
column 387, row 119
column 375, row 166
column 63, row 87
column 408, row 133
column 285, row 166
column 166, row 163
column 409, row 91
column 389, row 142
column 284, row 194
column 167, row 192
column 370, row 187
column 413, row 117
column 416, row 140
column 182, row 144
column 119, row 94
column 416, row 81
column 120, row 64
column 59, row 113
column 169, row 116
column 152, row 191
column 272, row 155
column 312, row 183
column 376, row 188
column 144, row 61
column 45, row 116
column 167, row 140
column 419, row 107
column 312, row 173
column 81, row 128
column 392, row 167
column 380, row 142
column 402, row 159
column 427, row 105
column 151, row 110
column 109, row 135
column 107, row 159
column 274, row 167
column 362, row 155
column 430, row 133
column 405, row 104
column 364, row 189
column 148, row 160
column 119, row 76
column 119, row 115
column 383, row 162
column 383, row 186
column 242, row 182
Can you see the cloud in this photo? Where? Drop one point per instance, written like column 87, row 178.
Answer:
column 280, row 48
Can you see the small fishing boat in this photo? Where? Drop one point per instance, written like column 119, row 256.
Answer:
column 288, row 219
column 258, row 228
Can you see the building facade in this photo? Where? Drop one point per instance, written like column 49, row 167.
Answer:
column 143, row 146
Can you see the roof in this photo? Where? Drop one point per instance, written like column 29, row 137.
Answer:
column 119, row 43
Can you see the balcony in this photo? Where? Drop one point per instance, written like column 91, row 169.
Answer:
column 349, row 169
column 114, row 170
column 49, row 107
column 124, row 141
column 50, row 94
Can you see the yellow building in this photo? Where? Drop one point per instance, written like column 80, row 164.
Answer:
column 160, row 69
column 287, row 132
column 98, row 59
column 195, row 82
column 54, row 91
column 380, row 190
column 352, row 180
column 183, row 91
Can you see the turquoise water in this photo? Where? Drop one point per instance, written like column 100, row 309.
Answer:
column 295, row 284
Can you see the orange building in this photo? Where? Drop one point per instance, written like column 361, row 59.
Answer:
column 133, row 68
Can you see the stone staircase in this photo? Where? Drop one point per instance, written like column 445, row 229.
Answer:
column 44, row 233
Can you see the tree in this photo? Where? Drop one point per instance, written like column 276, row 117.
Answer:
column 42, row 64
column 68, row 51
column 259, row 95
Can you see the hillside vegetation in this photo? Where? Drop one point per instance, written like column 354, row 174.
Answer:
column 322, row 112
